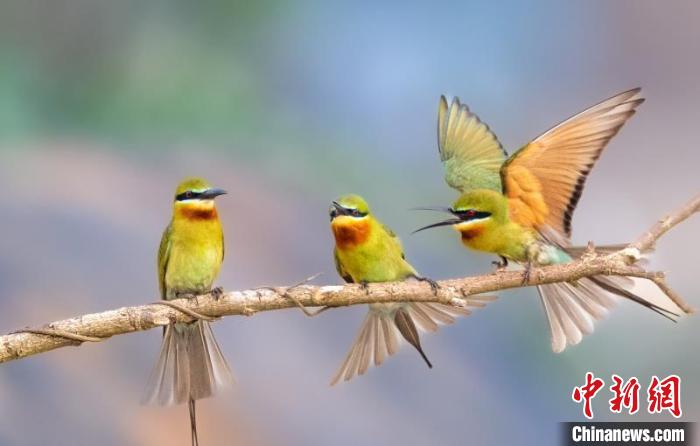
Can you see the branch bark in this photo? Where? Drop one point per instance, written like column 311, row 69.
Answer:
column 463, row 292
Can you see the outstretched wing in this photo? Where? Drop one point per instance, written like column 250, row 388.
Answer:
column 544, row 179
column 472, row 154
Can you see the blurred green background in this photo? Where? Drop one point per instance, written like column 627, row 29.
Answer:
column 105, row 105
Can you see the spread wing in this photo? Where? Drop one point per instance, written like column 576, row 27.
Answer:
column 472, row 154
column 544, row 179
column 163, row 257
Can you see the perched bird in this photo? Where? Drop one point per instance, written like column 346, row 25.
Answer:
column 366, row 252
column 191, row 365
column 521, row 207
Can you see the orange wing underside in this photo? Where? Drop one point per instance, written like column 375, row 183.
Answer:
column 526, row 204
column 544, row 180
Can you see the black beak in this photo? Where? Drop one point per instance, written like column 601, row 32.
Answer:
column 450, row 222
column 337, row 210
column 210, row 194
column 433, row 208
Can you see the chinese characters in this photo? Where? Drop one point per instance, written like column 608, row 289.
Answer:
column 662, row 395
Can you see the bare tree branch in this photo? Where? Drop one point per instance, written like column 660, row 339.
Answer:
column 462, row 292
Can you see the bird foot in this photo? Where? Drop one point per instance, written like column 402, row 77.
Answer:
column 217, row 292
column 433, row 284
column 526, row 273
column 365, row 286
column 500, row 265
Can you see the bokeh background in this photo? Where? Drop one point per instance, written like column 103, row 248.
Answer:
column 105, row 105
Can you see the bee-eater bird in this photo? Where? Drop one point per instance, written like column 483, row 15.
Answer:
column 521, row 207
column 191, row 365
column 366, row 252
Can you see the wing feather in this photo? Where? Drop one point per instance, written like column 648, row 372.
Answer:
column 470, row 151
column 163, row 258
column 339, row 267
column 544, row 179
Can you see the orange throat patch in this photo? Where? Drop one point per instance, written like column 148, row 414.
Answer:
column 470, row 233
column 349, row 232
column 198, row 212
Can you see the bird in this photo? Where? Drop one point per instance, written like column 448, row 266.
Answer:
column 191, row 365
column 521, row 207
column 366, row 251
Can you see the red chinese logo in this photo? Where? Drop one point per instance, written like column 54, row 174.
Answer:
column 626, row 395
column 665, row 395
column 661, row 394
column 587, row 392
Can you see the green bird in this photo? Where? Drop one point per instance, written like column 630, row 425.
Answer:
column 520, row 207
column 191, row 365
column 366, row 252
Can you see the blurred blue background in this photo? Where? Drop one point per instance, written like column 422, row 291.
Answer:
column 105, row 105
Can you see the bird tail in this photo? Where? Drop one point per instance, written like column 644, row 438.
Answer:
column 573, row 308
column 193, row 422
column 190, row 366
column 379, row 333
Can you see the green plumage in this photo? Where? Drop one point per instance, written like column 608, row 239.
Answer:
column 191, row 365
column 470, row 151
column 375, row 254
column 497, row 233
column 189, row 257
column 192, row 248
column 379, row 259
column 521, row 207
column 366, row 251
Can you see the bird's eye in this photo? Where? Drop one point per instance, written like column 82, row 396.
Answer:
column 356, row 213
column 467, row 214
column 188, row 194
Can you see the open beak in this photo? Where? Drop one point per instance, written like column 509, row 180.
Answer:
column 433, row 208
column 336, row 210
column 210, row 194
column 450, row 222
column 339, row 210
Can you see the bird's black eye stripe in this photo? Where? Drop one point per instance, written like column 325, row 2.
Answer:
column 188, row 195
column 355, row 213
column 337, row 210
column 471, row 214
